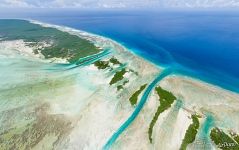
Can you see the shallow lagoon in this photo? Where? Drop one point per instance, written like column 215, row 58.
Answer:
column 58, row 86
column 203, row 43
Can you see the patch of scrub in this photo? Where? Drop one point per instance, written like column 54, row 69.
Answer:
column 122, row 76
column 134, row 98
column 121, row 86
column 115, row 61
column 118, row 76
column 101, row 64
column 114, row 66
column 104, row 64
column 190, row 133
column 166, row 100
column 223, row 140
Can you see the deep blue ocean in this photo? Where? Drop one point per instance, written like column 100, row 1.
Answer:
column 201, row 44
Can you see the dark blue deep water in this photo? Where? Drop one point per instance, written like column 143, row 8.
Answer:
column 202, row 44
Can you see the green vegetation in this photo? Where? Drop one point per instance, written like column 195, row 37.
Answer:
column 118, row 76
column 120, row 87
column 136, row 73
column 222, row 140
column 190, row 133
column 166, row 100
column 134, row 98
column 235, row 136
column 106, row 64
column 102, row 64
column 65, row 45
column 114, row 61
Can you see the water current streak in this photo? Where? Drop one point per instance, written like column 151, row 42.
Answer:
column 81, row 62
column 138, row 108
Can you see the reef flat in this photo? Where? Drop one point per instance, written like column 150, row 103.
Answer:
column 63, row 88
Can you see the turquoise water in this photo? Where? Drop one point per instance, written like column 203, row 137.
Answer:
column 204, row 133
column 81, row 62
column 138, row 108
column 206, row 127
column 204, row 43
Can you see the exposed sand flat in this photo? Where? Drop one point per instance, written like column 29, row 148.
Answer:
column 89, row 110
column 180, row 127
column 90, row 106
column 96, row 123
column 202, row 98
column 18, row 46
column 171, row 128
column 136, row 135
column 198, row 97
column 23, row 48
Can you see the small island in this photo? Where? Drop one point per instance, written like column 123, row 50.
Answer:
column 63, row 88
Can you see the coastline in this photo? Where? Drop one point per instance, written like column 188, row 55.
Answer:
column 199, row 96
column 98, row 40
column 195, row 83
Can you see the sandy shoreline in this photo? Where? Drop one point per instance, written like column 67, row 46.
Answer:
column 103, row 42
column 102, row 109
